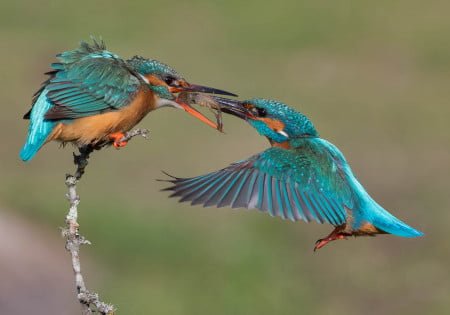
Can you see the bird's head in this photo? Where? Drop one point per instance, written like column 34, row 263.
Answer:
column 165, row 82
column 272, row 119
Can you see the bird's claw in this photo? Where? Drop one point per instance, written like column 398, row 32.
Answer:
column 320, row 243
column 332, row 237
column 119, row 144
column 117, row 139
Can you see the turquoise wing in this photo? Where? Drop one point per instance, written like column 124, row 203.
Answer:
column 299, row 184
column 88, row 81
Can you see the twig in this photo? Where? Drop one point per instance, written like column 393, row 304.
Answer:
column 90, row 302
column 135, row 132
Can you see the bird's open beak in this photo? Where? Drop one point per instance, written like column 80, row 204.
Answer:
column 182, row 86
column 193, row 112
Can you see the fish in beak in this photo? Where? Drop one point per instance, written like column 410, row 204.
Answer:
column 188, row 95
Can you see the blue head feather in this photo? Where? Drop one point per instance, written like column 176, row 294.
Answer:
column 151, row 66
column 154, row 67
column 295, row 124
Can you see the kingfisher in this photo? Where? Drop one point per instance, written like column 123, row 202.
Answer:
column 93, row 96
column 301, row 177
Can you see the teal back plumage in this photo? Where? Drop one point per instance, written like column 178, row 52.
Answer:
column 88, row 81
column 310, row 181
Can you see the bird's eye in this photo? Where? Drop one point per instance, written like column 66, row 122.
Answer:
column 256, row 111
column 261, row 112
column 169, row 80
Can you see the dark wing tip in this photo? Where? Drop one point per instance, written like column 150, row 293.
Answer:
column 27, row 115
column 59, row 112
column 171, row 188
column 172, row 181
column 174, row 177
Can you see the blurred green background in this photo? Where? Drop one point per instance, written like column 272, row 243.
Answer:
column 373, row 76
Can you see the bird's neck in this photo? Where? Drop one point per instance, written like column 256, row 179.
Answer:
column 292, row 143
column 284, row 145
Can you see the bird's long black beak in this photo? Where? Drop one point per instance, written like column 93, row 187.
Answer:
column 232, row 107
column 207, row 89
column 188, row 87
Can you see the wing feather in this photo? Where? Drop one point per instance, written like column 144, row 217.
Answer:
column 200, row 196
column 240, row 191
column 234, row 188
column 87, row 81
column 297, row 184
column 220, row 189
column 289, row 210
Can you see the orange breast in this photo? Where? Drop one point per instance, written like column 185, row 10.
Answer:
column 96, row 128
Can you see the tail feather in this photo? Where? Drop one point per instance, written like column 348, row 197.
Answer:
column 390, row 224
column 39, row 129
column 372, row 212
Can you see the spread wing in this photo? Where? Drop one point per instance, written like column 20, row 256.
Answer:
column 306, row 183
column 88, row 81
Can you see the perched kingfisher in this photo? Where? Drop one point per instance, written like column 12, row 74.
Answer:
column 93, row 96
column 301, row 177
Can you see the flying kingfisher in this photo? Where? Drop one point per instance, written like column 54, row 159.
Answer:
column 301, row 177
column 93, row 96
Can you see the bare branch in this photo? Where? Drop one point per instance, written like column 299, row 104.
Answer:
column 135, row 132
column 90, row 302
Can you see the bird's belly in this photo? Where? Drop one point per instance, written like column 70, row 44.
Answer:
column 93, row 129
column 365, row 229
column 368, row 228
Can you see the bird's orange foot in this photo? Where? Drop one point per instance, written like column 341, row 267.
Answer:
column 337, row 234
column 117, row 137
